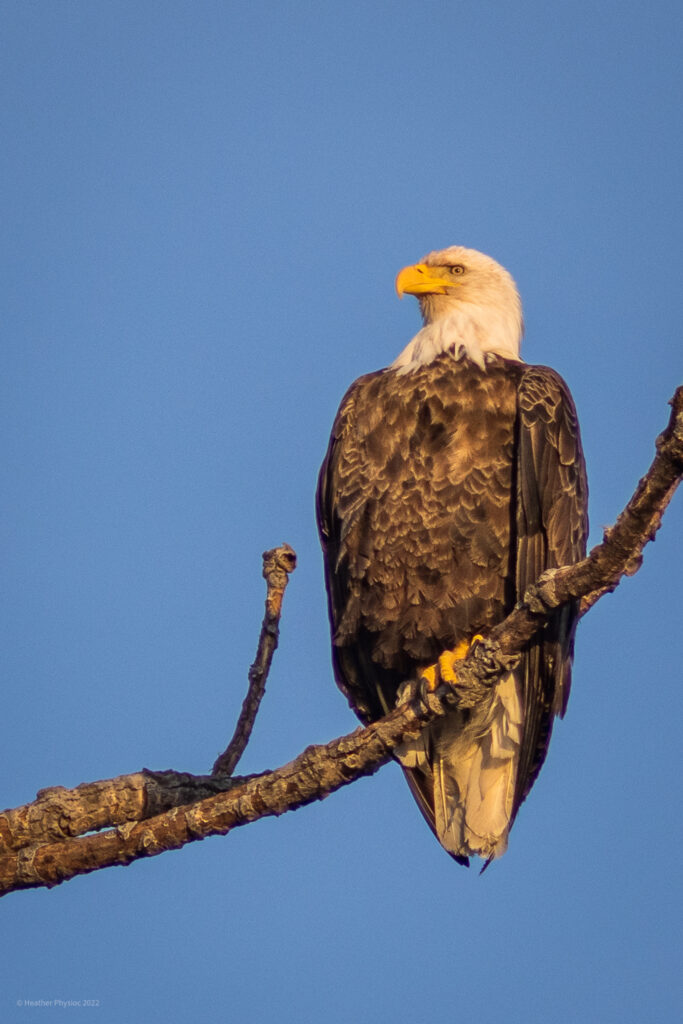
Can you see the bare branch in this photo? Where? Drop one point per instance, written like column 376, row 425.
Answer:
column 59, row 813
column 313, row 775
column 278, row 563
column 49, row 858
column 642, row 517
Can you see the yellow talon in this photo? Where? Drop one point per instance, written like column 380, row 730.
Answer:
column 431, row 676
column 444, row 670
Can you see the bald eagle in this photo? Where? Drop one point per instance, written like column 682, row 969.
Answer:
column 453, row 479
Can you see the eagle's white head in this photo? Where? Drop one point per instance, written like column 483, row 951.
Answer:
column 470, row 306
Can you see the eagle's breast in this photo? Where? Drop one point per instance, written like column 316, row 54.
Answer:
column 425, row 483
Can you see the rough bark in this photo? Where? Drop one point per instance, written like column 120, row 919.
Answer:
column 146, row 813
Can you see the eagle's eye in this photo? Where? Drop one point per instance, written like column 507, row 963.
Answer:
column 457, row 268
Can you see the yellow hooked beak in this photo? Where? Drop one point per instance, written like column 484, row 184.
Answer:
column 423, row 280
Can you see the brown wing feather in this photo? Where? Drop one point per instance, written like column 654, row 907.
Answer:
column 552, row 527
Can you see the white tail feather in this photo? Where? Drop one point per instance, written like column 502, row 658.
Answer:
column 473, row 762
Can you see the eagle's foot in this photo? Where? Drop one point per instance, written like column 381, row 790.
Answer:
column 445, row 671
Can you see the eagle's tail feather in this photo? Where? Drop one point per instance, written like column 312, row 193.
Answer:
column 472, row 767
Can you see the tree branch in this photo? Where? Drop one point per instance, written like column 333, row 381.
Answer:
column 277, row 565
column 59, row 813
column 158, row 811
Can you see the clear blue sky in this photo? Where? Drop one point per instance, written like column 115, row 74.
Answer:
column 204, row 207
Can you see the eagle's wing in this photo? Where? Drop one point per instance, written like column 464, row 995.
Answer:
column 552, row 526
column 340, row 502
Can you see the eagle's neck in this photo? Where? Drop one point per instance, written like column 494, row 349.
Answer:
column 474, row 331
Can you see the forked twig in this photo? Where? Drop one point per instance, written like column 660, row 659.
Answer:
column 278, row 563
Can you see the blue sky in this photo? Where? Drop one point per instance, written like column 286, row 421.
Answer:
column 204, row 207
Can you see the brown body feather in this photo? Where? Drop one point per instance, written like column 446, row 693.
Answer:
column 445, row 492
